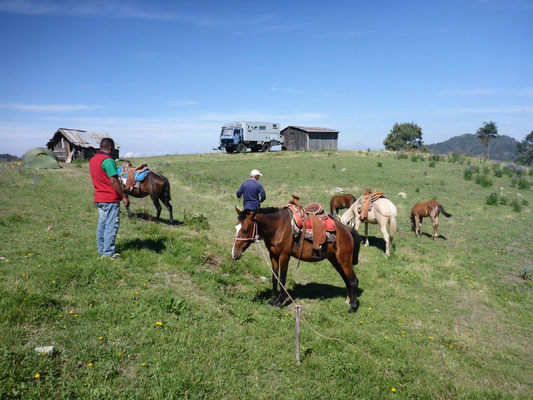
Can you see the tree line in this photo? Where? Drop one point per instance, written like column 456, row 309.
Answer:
column 408, row 136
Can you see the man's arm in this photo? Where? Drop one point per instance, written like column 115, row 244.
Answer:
column 240, row 191
column 262, row 194
column 118, row 188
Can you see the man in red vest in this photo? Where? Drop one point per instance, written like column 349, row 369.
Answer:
column 107, row 196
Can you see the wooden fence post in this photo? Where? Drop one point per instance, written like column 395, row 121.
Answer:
column 297, row 339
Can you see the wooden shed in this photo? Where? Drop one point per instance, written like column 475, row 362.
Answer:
column 70, row 144
column 301, row 138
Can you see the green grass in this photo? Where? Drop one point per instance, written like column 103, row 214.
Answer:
column 448, row 319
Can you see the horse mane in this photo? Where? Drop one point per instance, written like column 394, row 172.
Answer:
column 266, row 210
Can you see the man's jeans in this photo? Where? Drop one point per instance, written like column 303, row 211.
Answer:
column 106, row 233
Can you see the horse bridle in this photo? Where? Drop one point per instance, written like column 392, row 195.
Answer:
column 254, row 238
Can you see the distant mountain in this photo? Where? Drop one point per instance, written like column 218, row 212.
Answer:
column 502, row 148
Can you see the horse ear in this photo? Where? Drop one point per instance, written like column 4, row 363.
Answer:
column 238, row 211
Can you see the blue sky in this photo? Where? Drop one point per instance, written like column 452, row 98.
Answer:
column 162, row 77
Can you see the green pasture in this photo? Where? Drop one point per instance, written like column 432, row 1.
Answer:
column 176, row 318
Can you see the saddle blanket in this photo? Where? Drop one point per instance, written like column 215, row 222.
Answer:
column 139, row 176
column 329, row 224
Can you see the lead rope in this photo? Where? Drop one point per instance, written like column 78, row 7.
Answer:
column 313, row 329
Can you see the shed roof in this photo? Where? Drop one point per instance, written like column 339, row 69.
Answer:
column 312, row 129
column 83, row 138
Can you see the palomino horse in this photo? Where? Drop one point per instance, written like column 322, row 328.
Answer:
column 429, row 209
column 274, row 225
column 382, row 212
column 340, row 202
column 157, row 187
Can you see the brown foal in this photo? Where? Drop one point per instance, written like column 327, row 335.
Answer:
column 430, row 209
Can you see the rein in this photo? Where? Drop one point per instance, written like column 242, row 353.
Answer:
column 254, row 238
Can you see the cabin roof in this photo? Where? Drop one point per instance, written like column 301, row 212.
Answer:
column 82, row 138
column 312, row 129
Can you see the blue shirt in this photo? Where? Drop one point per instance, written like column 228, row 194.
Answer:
column 252, row 193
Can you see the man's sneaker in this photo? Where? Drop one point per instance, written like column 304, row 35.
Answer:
column 115, row 256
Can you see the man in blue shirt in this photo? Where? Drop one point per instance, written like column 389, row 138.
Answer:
column 252, row 191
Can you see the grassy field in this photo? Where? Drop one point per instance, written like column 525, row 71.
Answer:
column 175, row 317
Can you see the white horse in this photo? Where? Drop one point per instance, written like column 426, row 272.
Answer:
column 383, row 211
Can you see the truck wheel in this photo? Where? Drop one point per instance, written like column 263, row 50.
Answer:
column 241, row 148
column 229, row 149
column 265, row 148
column 283, row 148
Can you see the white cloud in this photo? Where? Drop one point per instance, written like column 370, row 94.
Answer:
column 482, row 110
column 183, row 103
column 488, row 91
column 50, row 107
column 109, row 8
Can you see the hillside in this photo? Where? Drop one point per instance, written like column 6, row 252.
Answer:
column 176, row 318
column 502, row 148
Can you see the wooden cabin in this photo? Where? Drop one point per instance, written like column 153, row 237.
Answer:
column 301, row 138
column 71, row 144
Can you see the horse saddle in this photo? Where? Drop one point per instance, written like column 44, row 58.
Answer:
column 367, row 201
column 132, row 176
column 317, row 224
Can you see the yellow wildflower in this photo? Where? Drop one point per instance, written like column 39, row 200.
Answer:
column 60, row 316
column 90, row 364
column 451, row 346
column 53, row 282
column 431, row 337
column 403, row 332
column 137, row 293
column 100, row 338
column 158, row 323
column 70, row 312
column 143, row 364
column 393, row 390
column 37, row 375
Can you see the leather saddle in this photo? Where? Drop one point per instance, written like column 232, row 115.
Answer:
column 368, row 199
column 130, row 173
column 312, row 218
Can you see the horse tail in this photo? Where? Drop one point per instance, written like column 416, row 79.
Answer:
column 441, row 209
column 356, row 246
column 166, row 188
column 392, row 226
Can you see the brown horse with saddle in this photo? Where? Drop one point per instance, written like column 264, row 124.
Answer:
column 308, row 234
column 153, row 184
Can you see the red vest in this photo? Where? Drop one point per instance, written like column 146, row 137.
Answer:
column 103, row 190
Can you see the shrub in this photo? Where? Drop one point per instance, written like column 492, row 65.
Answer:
column 527, row 273
column 503, row 200
column 492, row 199
column 414, row 158
column 483, row 181
column 523, row 183
column 486, row 170
column 515, row 205
column 417, row 190
column 380, row 165
column 432, row 164
column 456, row 158
column 498, row 172
column 197, row 221
column 435, row 157
column 401, row 156
column 525, row 203
column 468, row 174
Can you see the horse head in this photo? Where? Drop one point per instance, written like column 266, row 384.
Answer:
column 246, row 233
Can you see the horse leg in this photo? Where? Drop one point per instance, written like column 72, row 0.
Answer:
column 169, row 208
column 128, row 210
column 275, row 267
column 366, row 233
column 157, row 205
column 345, row 270
column 383, row 227
column 283, row 267
column 435, row 227
column 420, row 226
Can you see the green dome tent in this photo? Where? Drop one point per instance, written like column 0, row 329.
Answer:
column 40, row 157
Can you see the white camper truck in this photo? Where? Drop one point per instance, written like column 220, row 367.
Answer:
column 256, row 136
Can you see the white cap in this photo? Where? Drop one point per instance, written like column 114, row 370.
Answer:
column 255, row 172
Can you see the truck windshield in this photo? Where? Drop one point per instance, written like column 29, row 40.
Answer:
column 227, row 132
